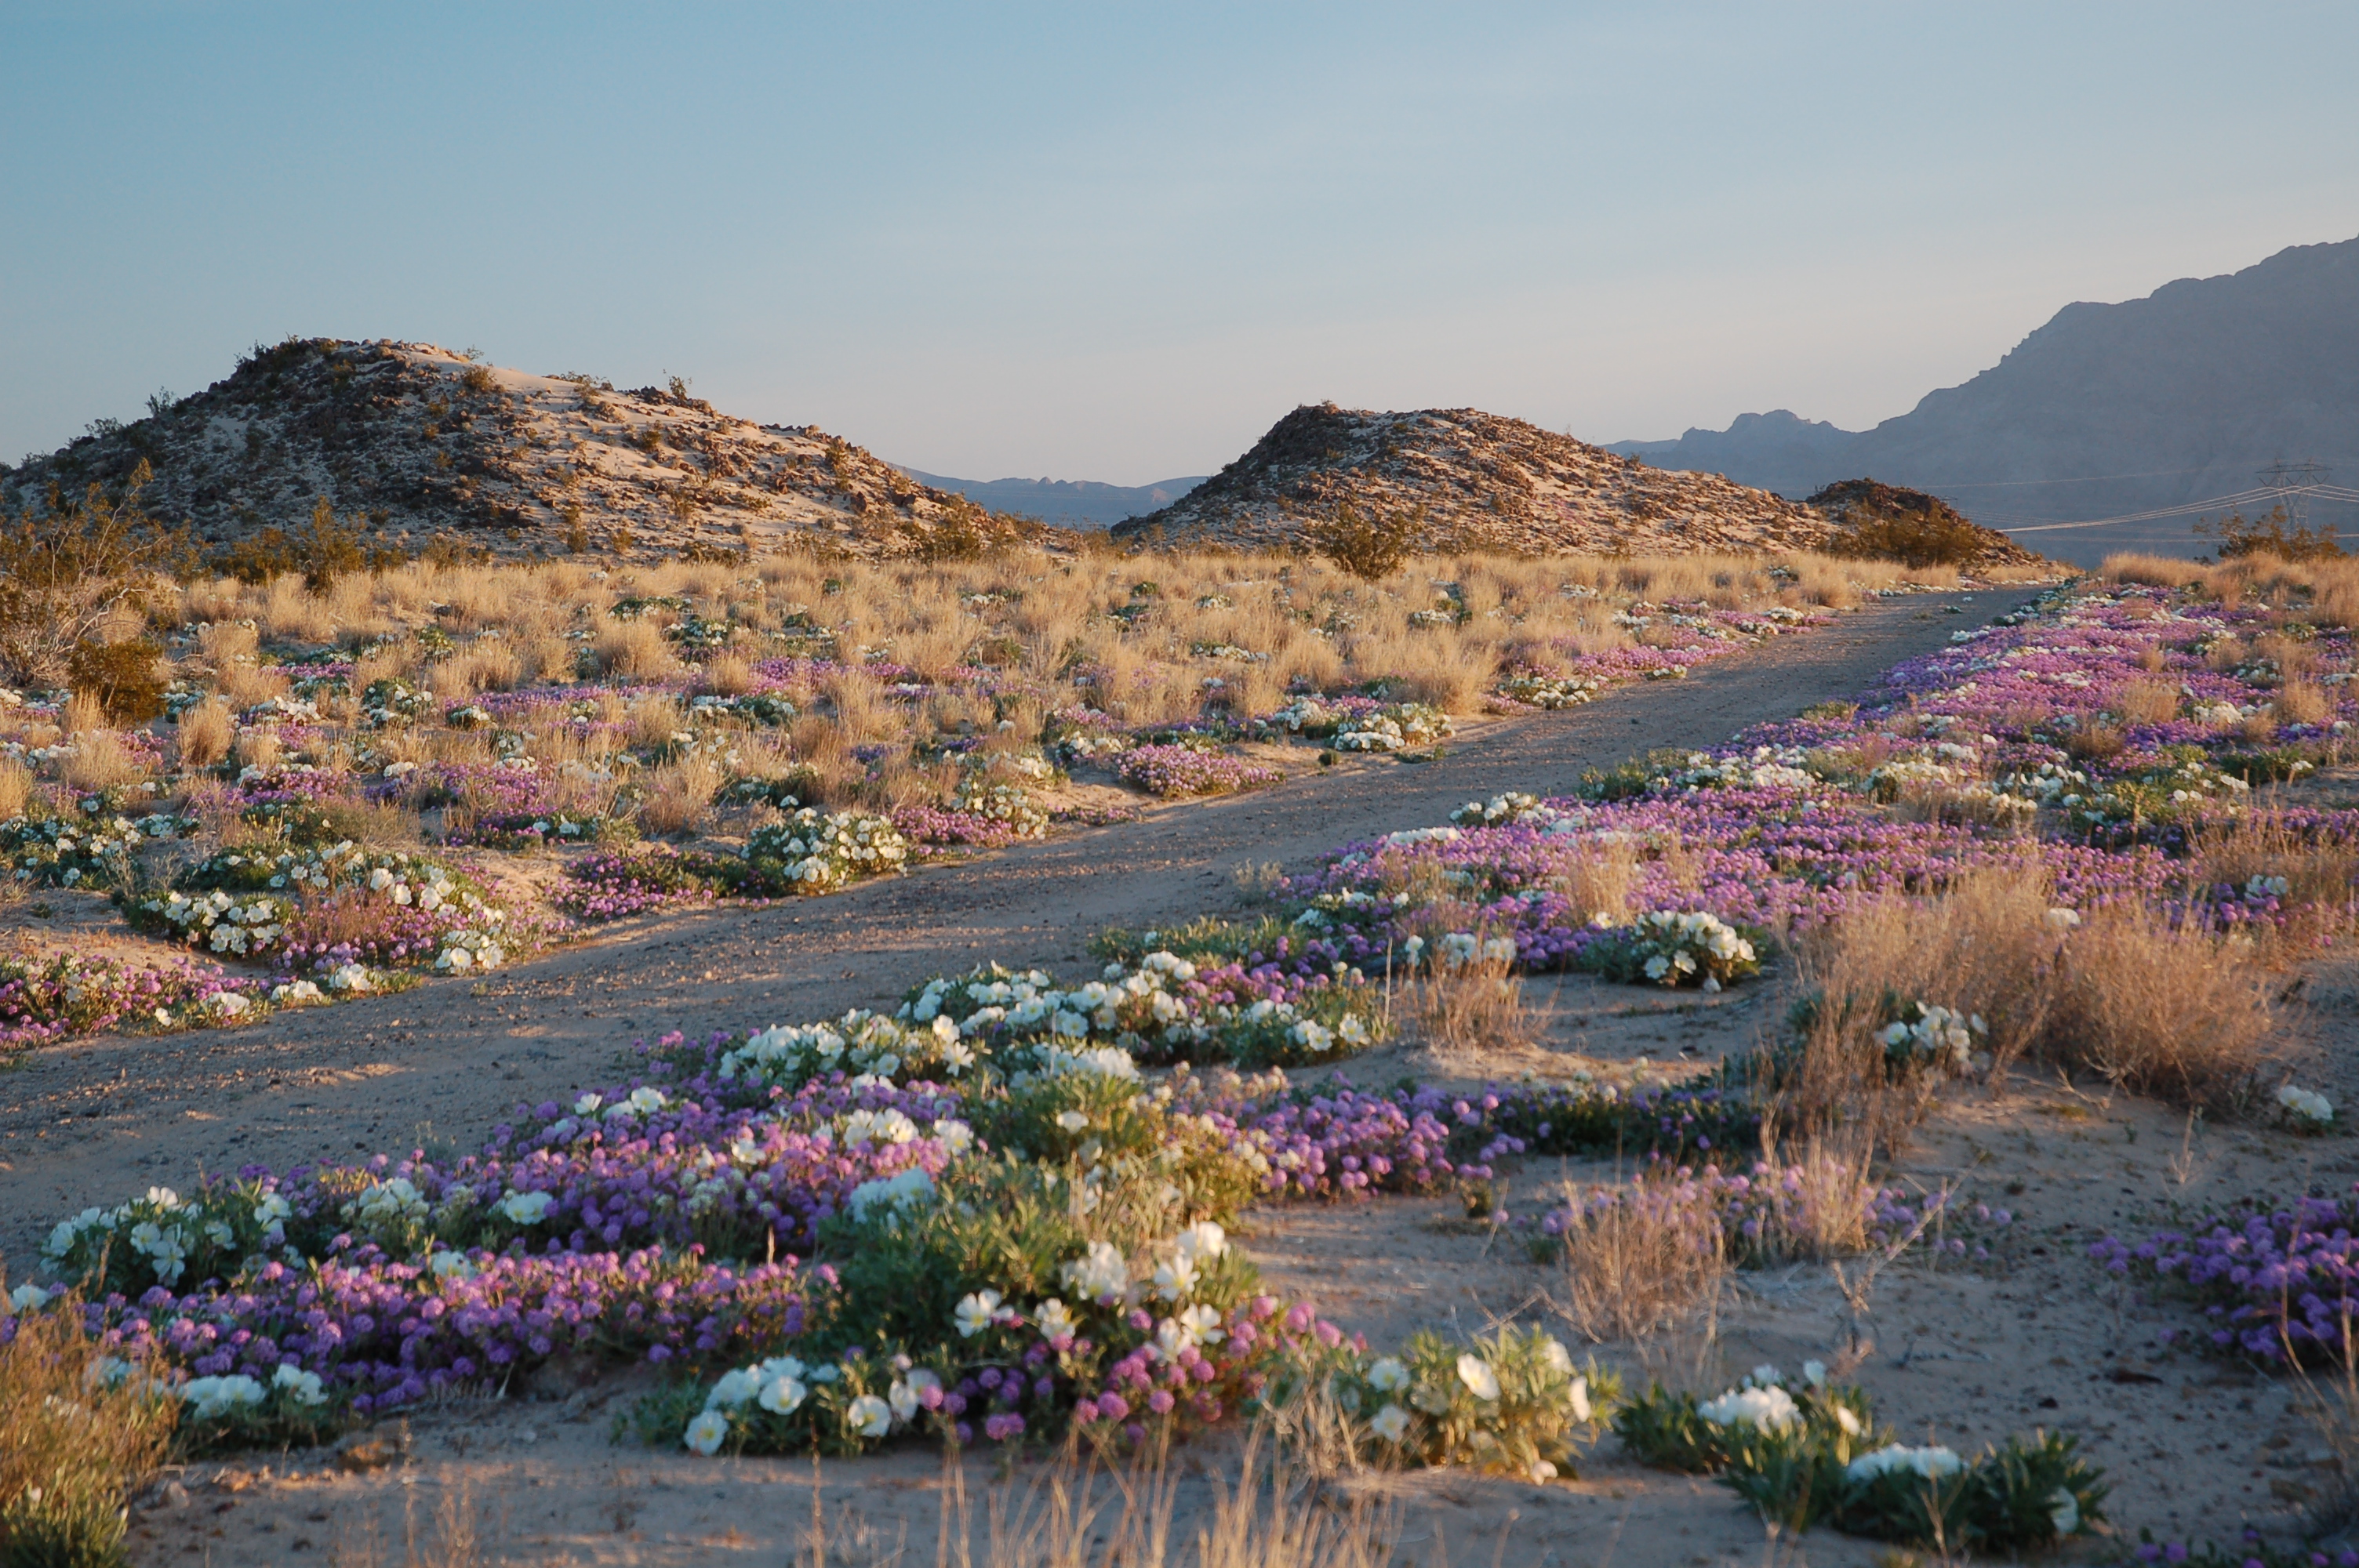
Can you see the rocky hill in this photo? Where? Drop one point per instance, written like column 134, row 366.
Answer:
column 413, row 443
column 1483, row 482
column 1912, row 527
column 2106, row 411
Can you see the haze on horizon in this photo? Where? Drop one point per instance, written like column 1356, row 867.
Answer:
column 1114, row 246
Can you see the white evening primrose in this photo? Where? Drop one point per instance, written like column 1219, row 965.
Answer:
column 1477, row 1374
column 1386, row 1374
column 783, row 1396
column 1770, row 1409
column 1391, row 1423
column 976, row 1313
column 869, row 1416
column 707, row 1432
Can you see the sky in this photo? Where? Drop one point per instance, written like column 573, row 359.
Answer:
column 1116, row 242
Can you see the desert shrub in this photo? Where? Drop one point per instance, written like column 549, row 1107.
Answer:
column 123, row 676
column 323, row 549
column 2239, row 537
column 68, row 566
column 1371, row 548
column 78, row 1430
column 1885, row 523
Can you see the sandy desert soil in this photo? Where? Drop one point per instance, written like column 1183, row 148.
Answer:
column 1957, row 1349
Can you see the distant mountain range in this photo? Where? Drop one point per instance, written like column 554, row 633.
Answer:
column 2106, row 411
column 1066, row 503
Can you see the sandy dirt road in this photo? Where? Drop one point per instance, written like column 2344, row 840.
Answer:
column 93, row 1121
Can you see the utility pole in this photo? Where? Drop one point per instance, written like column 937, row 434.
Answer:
column 2291, row 485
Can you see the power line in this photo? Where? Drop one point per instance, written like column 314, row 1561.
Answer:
column 2280, row 492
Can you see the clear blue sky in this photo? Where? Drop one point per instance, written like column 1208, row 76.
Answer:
column 1114, row 242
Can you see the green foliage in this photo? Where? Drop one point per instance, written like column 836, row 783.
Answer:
column 1001, row 1224
column 1816, row 1457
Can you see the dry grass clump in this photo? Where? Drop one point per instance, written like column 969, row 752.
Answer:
column 2301, row 701
column 2149, row 701
column 1476, row 1006
column 636, row 649
column 101, row 761
column 1983, row 947
column 71, row 1444
column 205, row 733
column 2126, row 993
column 1642, row 1262
column 2178, row 1014
column 1599, row 880
column 15, row 788
column 2326, row 591
column 679, row 795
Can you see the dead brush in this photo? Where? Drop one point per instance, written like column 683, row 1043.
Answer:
column 679, row 795
column 74, row 1443
column 1637, row 1260
column 16, row 789
column 2321, row 872
column 2150, row 701
column 1470, row 1002
column 1985, row 947
column 2161, row 1010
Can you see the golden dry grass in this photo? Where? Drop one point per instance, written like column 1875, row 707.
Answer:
column 72, row 1444
column 205, row 733
column 1640, row 1263
column 1473, row 1009
column 2180, row 1015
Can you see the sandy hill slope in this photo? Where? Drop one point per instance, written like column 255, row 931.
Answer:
column 412, row 442
column 1484, row 483
column 2107, row 410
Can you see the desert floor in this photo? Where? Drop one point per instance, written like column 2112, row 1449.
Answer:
column 1963, row 1351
